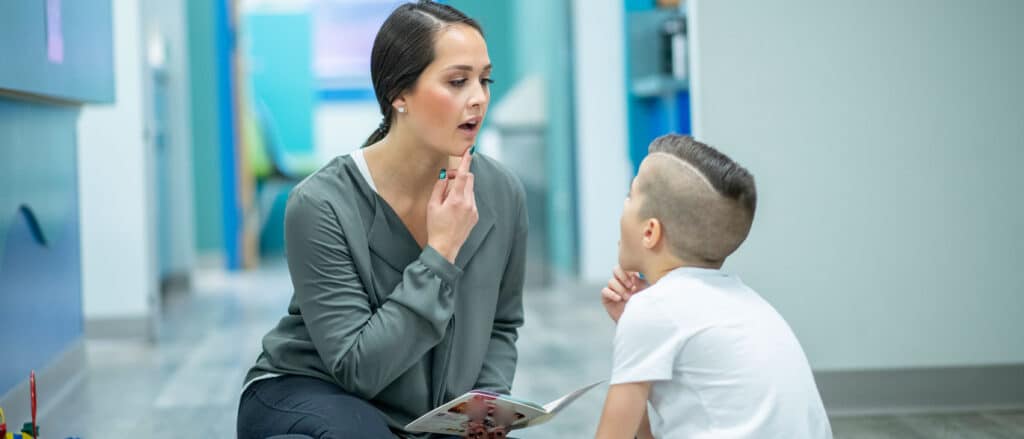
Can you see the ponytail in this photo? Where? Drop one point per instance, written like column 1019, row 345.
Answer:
column 379, row 133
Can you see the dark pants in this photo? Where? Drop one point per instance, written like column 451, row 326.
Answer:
column 300, row 405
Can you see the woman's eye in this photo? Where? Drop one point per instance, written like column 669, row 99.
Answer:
column 458, row 82
column 487, row 82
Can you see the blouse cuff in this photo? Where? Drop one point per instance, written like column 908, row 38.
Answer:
column 438, row 264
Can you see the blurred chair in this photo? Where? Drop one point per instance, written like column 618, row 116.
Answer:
column 275, row 170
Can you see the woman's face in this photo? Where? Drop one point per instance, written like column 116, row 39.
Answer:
column 447, row 105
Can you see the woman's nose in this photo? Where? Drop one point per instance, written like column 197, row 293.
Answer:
column 479, row 97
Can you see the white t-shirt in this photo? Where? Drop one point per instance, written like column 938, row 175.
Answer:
column 364, row 169
column 721, row 361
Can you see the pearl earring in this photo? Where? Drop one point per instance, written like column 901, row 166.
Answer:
column 401, row 109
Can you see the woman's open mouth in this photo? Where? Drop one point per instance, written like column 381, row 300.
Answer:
column 470, row 127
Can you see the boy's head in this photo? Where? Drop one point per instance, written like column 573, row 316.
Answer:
column 688, row 204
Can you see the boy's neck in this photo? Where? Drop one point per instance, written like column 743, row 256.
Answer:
column 657, row 269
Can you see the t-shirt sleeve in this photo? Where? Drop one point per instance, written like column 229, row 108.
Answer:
column 646, row 344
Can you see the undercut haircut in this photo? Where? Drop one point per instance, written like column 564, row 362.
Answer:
column 704, row 200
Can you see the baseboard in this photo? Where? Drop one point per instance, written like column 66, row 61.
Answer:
column 932, row 390
column 118, row 328
column 53, row 383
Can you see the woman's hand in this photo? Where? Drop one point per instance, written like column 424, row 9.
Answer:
column 451, row 213
column 621, row 287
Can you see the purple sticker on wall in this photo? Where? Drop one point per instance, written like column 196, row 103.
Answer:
column 54, row 34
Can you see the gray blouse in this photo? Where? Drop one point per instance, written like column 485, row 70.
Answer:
column 386, row 320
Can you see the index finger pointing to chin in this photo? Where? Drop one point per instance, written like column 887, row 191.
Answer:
column 467, row 158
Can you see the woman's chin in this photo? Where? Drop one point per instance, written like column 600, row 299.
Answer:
column 460, row 148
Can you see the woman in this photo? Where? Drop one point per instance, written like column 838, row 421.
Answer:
column 406, row 256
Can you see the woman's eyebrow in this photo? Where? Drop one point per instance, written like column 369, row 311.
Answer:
column 467, row 68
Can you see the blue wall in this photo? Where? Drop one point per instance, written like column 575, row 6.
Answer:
column 279, row 51
column 40, row 268
column 649, row 116
column 204, row 104
column 84, row 74
column 40, row 261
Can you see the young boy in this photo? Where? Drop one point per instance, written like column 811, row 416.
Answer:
column 713, row 358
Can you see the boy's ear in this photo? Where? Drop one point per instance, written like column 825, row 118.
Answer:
column 653, row 233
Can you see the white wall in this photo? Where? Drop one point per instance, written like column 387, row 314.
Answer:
column 342, row 127
column 886, row 139
column 114, row 167
column 600, row 101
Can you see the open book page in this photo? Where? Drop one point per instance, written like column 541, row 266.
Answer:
column 453, row 417
column 552, row 408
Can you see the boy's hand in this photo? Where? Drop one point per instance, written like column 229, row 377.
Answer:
column 620, row 288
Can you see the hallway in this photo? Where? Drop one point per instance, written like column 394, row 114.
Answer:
column 189, row 381
column 187, row 384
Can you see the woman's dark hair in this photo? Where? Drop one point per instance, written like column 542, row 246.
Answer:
column 404, row 47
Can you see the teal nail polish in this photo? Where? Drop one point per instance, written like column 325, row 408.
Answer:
column 472, row 150
column 443, row 174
